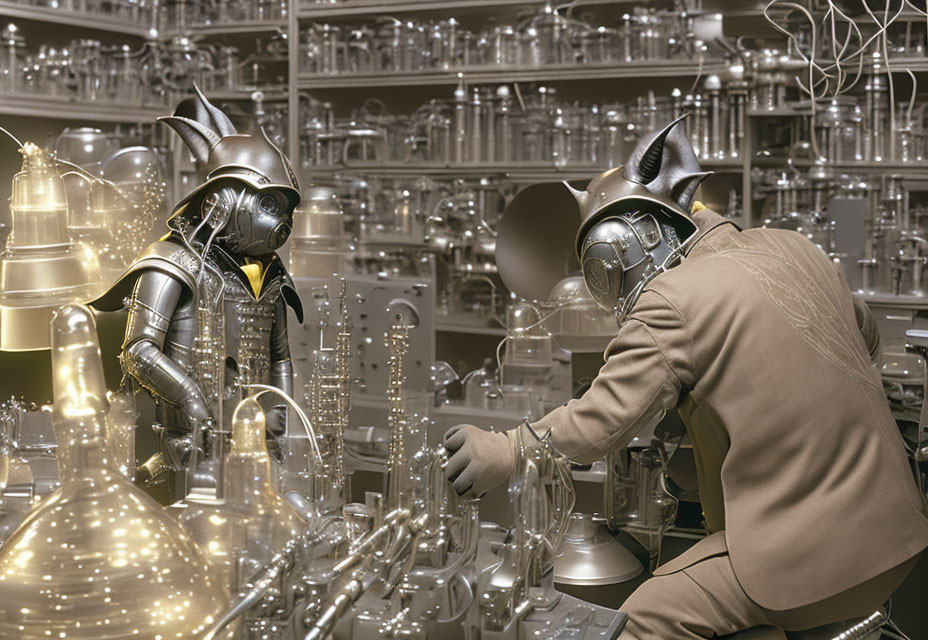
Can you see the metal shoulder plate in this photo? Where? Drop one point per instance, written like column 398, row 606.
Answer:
column 167, row 256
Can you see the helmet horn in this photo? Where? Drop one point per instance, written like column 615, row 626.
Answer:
column 684, row 190
column 646, row 161
column 219, row 121
column 582, row 197
column 198, row 138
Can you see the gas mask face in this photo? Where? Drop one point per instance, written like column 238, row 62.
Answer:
column 622, row 253
column 250, row 222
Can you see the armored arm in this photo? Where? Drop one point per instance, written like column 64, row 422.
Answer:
column 281, row 364
column 154, row 299
column 281, row 368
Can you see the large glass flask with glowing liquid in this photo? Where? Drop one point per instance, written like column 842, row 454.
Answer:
column 99, row 559
column 40, row 268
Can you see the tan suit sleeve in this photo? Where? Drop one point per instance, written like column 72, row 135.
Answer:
column 641, row 378
column 867, row 325
column 865, row 320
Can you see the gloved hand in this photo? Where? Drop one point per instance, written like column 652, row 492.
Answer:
column 480, row 460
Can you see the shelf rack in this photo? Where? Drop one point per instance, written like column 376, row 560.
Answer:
column 93, row 22
column 255, row 27
column 71, row 109
column 366, row 8
column 270, row 94
column 300, row 13
column 489, row 75
column 519, row 172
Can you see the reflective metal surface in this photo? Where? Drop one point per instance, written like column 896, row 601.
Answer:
column 592, row 556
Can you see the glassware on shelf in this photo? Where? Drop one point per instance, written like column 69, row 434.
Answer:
column 548, row 37
column 491, row 125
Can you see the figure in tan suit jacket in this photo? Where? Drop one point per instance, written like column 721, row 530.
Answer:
column 755, row 339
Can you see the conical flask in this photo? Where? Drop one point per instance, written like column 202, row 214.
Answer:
column 242, row 532
column 98, row 559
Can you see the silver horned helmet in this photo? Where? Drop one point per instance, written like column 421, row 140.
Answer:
column 249, row 191
column 635, row 220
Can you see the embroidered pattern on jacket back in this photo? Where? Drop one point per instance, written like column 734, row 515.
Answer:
column 815, row 317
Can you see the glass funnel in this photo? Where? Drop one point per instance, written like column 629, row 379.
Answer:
column 98, row 559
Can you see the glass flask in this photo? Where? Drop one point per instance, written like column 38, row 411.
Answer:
column 243, row 531
column 98, row 558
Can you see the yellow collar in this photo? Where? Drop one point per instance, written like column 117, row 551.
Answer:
column 255, row 272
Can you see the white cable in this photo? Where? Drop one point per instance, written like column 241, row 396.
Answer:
column 880, row 32
column 860, row 39
column 15, row 139
column 889, row 75
column 810, row 60
column 792, row 37
column 307, row 425
column 908, row 113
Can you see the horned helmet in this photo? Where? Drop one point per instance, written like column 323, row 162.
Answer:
column 635, row 221
column 630, row 224
column 248, row 190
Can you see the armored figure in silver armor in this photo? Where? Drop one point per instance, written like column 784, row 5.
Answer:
column 208, row 302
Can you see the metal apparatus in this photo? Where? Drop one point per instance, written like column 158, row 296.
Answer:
column 329, row 402
column 515, row 595
column 405, row 317
column 303, row 567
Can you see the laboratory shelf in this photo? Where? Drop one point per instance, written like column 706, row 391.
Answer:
column 779, row 112
column 477, row 75
column 534, row 172
column 269, row 94
column 253, row 27
column 918, row 170
column 37, row 106
column 91, row 21
column 364, row 8
column 915, row 65
column 898, row 301
column 469, row 329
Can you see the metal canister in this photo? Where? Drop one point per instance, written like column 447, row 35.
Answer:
column 319, row 244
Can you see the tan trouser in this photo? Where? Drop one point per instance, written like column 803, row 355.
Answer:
column 703, row 599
